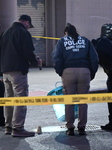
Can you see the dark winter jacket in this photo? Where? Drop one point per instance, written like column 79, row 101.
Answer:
column 16, row 49
column 68, row 54
column 103, row 46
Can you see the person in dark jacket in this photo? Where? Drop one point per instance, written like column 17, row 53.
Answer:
column 2, row 90
column 76, row 61
column 16, row 55
column 103, row 47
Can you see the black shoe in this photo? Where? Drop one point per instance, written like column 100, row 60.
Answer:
column 107, row 127
column 82, row 131
column 70, row 131
column 22, row 133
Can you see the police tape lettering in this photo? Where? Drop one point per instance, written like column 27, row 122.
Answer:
column 60, row 99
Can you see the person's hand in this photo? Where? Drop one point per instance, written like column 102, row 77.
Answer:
column 39, row 63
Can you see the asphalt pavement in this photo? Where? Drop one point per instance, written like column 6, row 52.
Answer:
column 53, row 132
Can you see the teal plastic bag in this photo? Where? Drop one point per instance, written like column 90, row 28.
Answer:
column 60, row 108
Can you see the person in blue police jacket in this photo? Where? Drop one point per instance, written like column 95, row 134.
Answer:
column 76, row 61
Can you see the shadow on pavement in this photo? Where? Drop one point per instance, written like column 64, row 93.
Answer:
column 7, row 142
column 74, row 142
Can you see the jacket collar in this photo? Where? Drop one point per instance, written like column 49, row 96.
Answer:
column 18, row 24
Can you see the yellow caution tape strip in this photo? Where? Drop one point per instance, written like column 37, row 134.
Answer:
column 46, row 37
column 60, row 99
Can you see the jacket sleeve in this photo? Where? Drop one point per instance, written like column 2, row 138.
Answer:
column 57, row 58
column 94, row 60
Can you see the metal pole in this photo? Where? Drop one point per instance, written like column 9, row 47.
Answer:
column 8, row 13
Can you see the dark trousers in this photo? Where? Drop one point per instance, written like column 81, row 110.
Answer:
column 109, row 88
column 2, row 89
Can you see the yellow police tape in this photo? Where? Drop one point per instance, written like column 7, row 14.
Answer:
column 60, row 99
column 46, row 37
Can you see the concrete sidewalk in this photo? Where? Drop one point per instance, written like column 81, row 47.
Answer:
column 53, row 132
